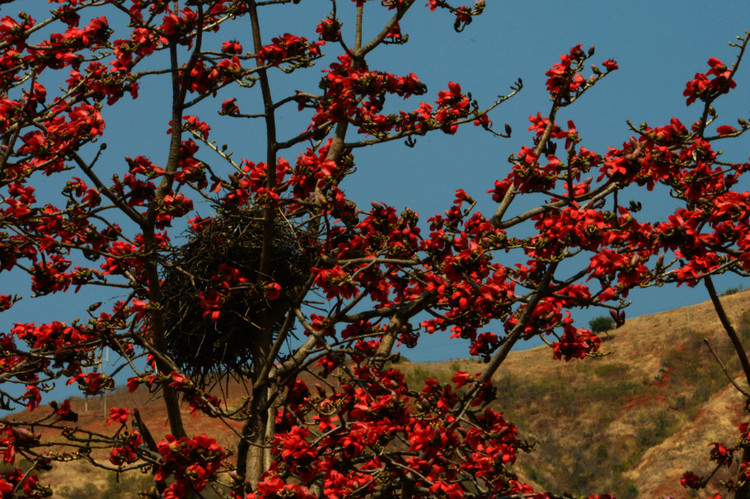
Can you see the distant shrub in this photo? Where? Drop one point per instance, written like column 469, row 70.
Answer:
column 731, row 291
column 611, row 370
column 601, row 324
column 602, row 453
column 631, row 491
column 654, row 429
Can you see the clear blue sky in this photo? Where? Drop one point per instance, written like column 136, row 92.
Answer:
column 658, row 45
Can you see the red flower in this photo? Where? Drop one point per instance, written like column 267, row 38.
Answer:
column 721, row 454
column 610, row 65
column 329, row 30
column 64, row 412
column 92, row 383
column 118, row 415
column 231, row 47
column 273, row 291
column 462, row 378
column 705, row 86
column 33, row 397
column 691, row 481
column 725, row 130
column 229, row 107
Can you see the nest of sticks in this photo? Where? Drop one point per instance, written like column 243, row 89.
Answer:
column 225, row 341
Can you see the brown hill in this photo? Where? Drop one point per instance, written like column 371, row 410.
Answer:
column 632, row 421
column 628, row 422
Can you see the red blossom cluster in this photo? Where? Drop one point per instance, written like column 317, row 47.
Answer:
column 192, row 463
column 15, row 482
column 128, row 450
column 288, row 47
column 706, row 86
column 386, row 413
column 326, row 413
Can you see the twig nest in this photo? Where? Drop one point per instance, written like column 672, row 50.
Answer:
column 216, row 305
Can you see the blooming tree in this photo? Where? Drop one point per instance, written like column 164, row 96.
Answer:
column 287, row 283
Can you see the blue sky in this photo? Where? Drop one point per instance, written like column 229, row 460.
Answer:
column 658, row 46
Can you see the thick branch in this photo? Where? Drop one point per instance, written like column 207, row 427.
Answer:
column 394, row 327
column 731, row 332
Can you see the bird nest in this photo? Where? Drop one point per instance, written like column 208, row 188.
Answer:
column 224, row 337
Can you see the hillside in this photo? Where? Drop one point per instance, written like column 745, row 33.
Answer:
column 631, row 421
column 628, row 422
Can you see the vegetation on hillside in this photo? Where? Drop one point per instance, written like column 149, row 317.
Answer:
column 590, row 436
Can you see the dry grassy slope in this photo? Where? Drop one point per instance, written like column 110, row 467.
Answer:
column 79, row 480
column 632, row 421
column 661, row 467
column 629, row 422
column 641, row 340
